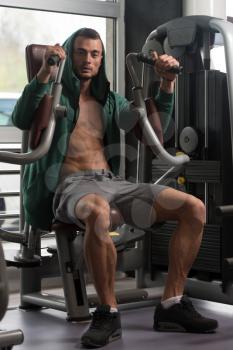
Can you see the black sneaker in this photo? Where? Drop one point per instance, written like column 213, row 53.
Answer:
column 105, row 327
column 182, row 317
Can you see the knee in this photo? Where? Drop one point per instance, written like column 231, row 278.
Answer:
column 95, row 212
column 194, row 211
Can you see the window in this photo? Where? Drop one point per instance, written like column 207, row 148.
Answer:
column 217, row 53
column 19, row 27
column 7, row 103
column 46, row 22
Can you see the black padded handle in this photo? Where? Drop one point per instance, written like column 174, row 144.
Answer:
column 146, row 59
column 53, row 60
column 225, row 210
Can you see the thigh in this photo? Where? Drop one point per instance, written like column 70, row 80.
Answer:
column 172, row 204
column 136, row 203
column 69, row 193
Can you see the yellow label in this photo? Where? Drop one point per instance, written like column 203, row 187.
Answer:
column 114, row 234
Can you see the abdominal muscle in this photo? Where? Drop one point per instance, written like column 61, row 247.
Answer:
column 85, row 149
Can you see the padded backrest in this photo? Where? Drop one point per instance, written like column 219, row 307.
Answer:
column 34, row 57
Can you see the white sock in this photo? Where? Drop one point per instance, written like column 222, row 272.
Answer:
column 113, row 309
column 171, row 301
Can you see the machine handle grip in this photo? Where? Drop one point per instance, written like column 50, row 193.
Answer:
column 224, row 210
column 53, row 60
column 146, row 59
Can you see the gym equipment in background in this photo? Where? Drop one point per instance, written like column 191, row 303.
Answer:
column 202, row 128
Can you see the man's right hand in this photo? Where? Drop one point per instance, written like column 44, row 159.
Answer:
column 46, row 70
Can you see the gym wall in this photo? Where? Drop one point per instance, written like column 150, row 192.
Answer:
column 141, row 18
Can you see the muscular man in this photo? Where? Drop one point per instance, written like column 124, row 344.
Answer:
column 82, row 166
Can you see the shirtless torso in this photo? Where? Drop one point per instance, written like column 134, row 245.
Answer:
column 86, row 149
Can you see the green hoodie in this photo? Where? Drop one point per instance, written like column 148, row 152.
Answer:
column 40, row 178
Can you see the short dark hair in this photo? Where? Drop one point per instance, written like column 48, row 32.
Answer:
column 88, row 33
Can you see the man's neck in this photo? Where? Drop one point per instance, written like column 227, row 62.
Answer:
column 85, row 88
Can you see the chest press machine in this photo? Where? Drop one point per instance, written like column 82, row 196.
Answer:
column 67, row 258
column 203, row 129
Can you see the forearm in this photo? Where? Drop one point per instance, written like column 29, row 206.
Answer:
column 163, row 67
column 165, row 104
column 23, row 112
column 167, row 86
column 43, row 76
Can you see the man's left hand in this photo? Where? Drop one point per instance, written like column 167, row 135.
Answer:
column 162, row 65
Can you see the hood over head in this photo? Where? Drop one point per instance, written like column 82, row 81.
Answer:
column 100, row 85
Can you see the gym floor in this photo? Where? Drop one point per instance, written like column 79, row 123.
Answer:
column 48, row 329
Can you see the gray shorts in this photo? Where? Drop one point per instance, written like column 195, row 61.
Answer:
column 134, row 201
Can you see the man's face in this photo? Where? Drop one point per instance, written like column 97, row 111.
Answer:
column 87, row 57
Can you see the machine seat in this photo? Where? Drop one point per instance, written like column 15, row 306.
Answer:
column 121, row 234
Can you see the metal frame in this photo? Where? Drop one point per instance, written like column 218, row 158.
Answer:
column 226, row 29
column 69, row 256
column 81, row 7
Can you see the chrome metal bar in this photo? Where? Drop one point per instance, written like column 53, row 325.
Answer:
column 46, row 300
column 145, row 125
column 9, row 172
column 9, row 216
column 164, row 175
column 9, row 194
column 11, row 236
column 47, row 136
column 11, row 338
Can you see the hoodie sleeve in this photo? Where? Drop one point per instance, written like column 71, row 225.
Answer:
column 26, row 105
column 126, row 114
column 164, row 103
column 127, row 118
